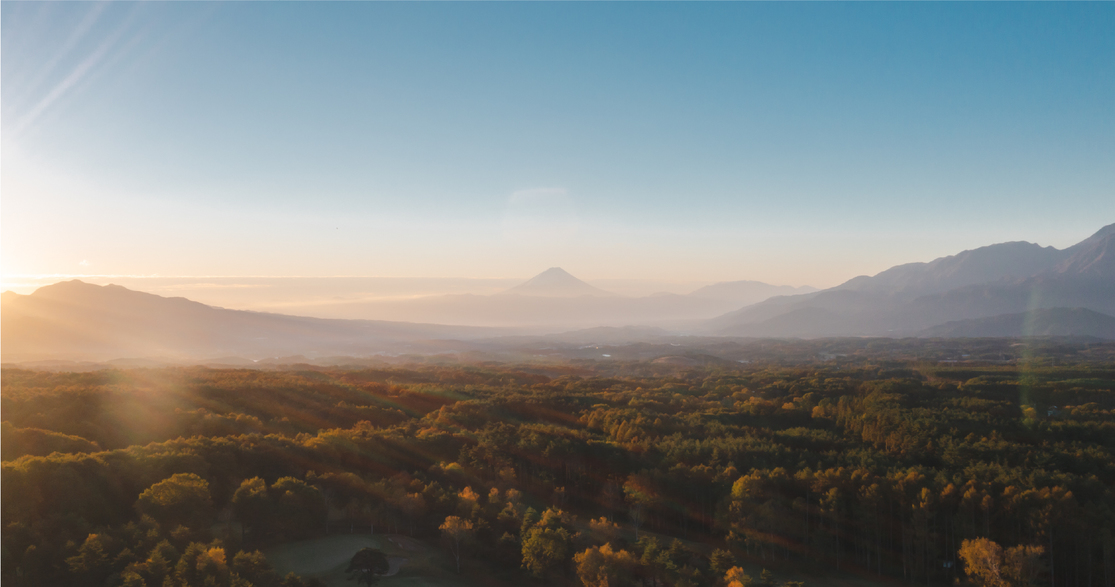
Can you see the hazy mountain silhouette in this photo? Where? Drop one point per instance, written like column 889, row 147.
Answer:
column 554, row 299
column 536, row 311
column 79, row 321
column 1005, row 289
column 76, row 321
column 982, row 265
column 1006, row 278
column 1044, row 322
column 557, row 283
column 1094, row 257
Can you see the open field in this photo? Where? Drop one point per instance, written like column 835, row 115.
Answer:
column 413, row 562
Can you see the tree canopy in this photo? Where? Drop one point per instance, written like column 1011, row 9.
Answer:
column 881, row 462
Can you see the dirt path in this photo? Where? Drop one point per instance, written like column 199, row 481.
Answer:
column 405, row 543
column 396, row 563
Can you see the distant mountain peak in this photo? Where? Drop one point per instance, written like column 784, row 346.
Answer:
column 1093, row 257
column 556, row 282
column 556, row 274
column 1103, row 232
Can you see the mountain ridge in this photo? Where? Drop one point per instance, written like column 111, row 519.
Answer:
column 977, row 292
column 77, row 320
column 1003, row 278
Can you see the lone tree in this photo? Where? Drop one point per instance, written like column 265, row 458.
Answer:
column 736, row 577
column 983, row 561
column 455, row 530
column 367, row 565
column 991, row 566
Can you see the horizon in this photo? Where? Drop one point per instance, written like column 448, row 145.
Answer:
column 320, row 296
column 311, row 296
column 653, row 147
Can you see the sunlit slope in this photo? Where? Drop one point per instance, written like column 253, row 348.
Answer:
column 78, row 321
column 1006, row 278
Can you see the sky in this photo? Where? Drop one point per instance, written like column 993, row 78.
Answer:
column 654, row 143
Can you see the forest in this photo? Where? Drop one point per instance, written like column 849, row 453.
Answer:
column 886, row 468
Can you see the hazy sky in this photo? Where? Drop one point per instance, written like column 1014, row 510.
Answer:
column 792, row 143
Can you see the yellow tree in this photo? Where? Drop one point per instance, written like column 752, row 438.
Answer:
column 736, row 577
column 603, row 567
column 456, row 531
column 983, row 561
column 987, row 562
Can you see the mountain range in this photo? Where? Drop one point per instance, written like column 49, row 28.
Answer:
column 554, row 299
column 1004, row 279
column 1007, row 289
column 73, row 320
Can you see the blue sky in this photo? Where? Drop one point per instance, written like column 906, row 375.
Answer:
column 794, row 143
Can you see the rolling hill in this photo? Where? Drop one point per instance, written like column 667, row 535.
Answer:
column 73, row 320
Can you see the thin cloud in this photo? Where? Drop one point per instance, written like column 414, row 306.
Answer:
column 75, row 37
column 79, row 73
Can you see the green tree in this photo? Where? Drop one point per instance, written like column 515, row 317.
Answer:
column 252, row 504
column 545, row 550
column 254, row 568
column 367, row 566
column 299, row 508
column 182, row 499
column 91, row 563
column 721, row 560
column 159, row 564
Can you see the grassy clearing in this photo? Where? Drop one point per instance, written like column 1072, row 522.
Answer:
column 327, row 558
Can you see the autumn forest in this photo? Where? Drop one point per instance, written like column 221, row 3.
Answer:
column 881, row 467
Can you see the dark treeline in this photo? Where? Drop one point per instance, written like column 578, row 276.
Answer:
column 879, row 468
